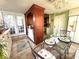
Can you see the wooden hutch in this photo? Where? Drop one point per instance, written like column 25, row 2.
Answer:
column 34, row 19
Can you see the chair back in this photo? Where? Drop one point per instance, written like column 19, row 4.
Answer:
column 64, row 33
column 35, row 54
column 77, row 54
column 57, row 40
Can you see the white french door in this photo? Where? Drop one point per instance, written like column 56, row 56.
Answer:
column 15, row 23
column 20, row 24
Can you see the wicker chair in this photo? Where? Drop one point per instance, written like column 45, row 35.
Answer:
column 77, row 54
column 62, row 48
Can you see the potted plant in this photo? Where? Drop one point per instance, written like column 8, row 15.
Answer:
column 2, row 49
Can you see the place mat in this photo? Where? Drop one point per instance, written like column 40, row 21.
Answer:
column 46, row 54
column 50, row 41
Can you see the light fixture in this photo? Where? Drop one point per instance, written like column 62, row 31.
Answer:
column 58, row 4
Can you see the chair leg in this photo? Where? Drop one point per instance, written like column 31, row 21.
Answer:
column 34, row 56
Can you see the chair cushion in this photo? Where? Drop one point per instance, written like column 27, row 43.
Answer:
column 46, row 54
column 61, row 47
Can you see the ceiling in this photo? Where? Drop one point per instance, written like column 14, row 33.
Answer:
column 22, row 6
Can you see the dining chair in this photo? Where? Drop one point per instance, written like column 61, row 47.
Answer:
column 77, row 54
column 34, row 53
column 42, row 53
column 62, row 47
column 64, row 33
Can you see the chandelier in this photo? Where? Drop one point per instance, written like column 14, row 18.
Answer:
column 58, row 4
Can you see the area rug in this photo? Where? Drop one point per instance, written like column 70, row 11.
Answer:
column 22, row 45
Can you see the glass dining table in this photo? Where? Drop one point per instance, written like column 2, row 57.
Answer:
column 45, row 49
column 49, row 44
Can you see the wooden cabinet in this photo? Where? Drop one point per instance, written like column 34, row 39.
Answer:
column 34, row 18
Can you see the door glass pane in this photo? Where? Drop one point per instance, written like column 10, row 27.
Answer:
column 9, row 23
column 20, row 24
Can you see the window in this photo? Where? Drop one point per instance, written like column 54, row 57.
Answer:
column 15, row 23
column 1, row 21
column 72, row 23
column 76, row 35
column 9, row 23
column 73, row 27
column 20, row 24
